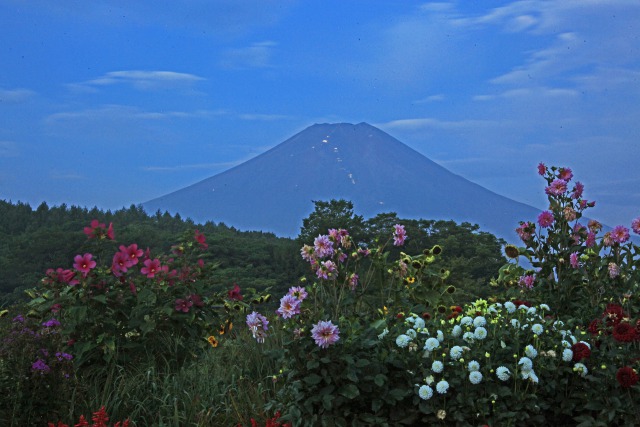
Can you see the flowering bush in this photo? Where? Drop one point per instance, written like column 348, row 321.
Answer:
column 99, row 418
column 128, row 304
column 34, row 368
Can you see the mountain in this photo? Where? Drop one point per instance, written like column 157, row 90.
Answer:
column 274, row 191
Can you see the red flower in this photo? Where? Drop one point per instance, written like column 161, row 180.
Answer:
column 82, row 422
column 110, row 234
column 624, row 332
column 519, row 302
column 201, row 239
column 151, row 267
column 234, row 294
column 196, row 300
column 594, row 327
column 60, row 424
column 580, row 351
column 121, row 263
column 84, row 263
column 626, row 376
column 100, row 418
column 613, row 314
column 92, row 231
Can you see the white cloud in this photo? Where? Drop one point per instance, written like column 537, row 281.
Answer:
column 15, row 96
column 265, row 117
column 257, row 55
column 431, row 123
column 142, row 80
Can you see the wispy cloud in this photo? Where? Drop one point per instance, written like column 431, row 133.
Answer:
column 179, row 168
column 265, row 117
column 115, row 112
column 142, row 80
column 431, row 123
column 15, row 96
column 257, row 55
column 431, row 98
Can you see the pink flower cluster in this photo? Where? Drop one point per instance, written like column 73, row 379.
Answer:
column 98, row 230
column 332, row 246
column 399, row 235
column 258, row 325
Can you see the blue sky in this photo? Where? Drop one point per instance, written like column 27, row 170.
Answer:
column 117, row 102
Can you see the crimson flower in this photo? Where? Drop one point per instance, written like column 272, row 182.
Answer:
column 132, row 252
column 91, row 231
column 201, row 239
column 626, row 376
column 594, row 327
column 624, row 332
column 196, row 300
column 183, row 305
column 613, row 314
column 82, row 422
column 151, row 267
column 84, row 263
column 580, row 351
column 60, row 424
column 100, row 418
column 234, row 294
column 121, row 263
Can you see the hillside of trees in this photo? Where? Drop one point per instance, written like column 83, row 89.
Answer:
column 33, row 240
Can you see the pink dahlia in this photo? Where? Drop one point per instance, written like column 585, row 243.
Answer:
column 325, row 333
column 620, row 234
column 299, row 292
column 323, row 246
column 545, row 219
column 573, row 259
column 289, row 306
column 399, row 235
column 557, row 187
column 577, row 190
column 635, row 225
column 542, row 169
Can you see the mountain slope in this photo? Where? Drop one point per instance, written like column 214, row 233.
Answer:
column 274, row 191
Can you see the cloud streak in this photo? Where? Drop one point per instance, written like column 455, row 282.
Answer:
column 142, row 80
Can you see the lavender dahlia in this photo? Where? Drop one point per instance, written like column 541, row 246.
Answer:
column 325, row 333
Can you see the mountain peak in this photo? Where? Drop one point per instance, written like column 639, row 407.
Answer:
column 275, row 191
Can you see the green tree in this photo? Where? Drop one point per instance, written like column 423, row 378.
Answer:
column 331, row 214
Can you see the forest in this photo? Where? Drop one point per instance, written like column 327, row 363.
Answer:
column 33, row 240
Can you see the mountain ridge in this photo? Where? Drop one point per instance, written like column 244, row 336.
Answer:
column 275, row 190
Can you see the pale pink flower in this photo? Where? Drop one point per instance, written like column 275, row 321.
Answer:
column 614, row 270
column 353, row 281
column 325, row 333
column 298, row 292
column 635, row 225
column 289, row 306
column 527, row 281
column 577, row 190
column 573, row 260
column 399, row 235
column 323, row 246
column 565, row 174
column 569, row 213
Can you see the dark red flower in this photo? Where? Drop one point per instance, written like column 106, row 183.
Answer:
column 196, row 300
column 624, row 332
column 626, row 377
column 100, row 418
column 580, row 351
column 519, row 302
column 613, row 314
column 234, row 294
column 82, row 422
column 201, row 239
column 594, row 327
column 183, row 305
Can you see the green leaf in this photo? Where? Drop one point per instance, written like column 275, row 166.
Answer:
column 350, row 391
column 312, row 379
column 379, row 380
column 361, row 363
column 100, row 298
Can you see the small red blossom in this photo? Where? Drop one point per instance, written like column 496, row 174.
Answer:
column 626, row 377
column 60, row 424
column 542, row 169
column 82, row 422
column 100, row 418
column 613, row 314
column 196, row 300
column 110, row 234
column 594, row 327
column 234, row 294
column 201, row 239
column 581, row 351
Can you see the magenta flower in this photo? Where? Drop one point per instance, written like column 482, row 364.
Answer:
column 323, row 246
column 325, row 333
column 289, row 306
column 151, row 268
column 84, row 263
column 545, row 219
column 577, row 190
column 51, row 323
column 92, row 231
column 557, row 187
column 120, row 264
column 525, row 231
column 110, row 234
column 353, row 281
column 635, row 225
column 399, row 235
column 234, row 294
column 565, row 174
column 620, row 234
column 183, row 305
column 298, row 292
column 39, row 365
column 132, row 252
column 542, row 169
column 573, row 260
column 591, row 240
column 196, row 300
